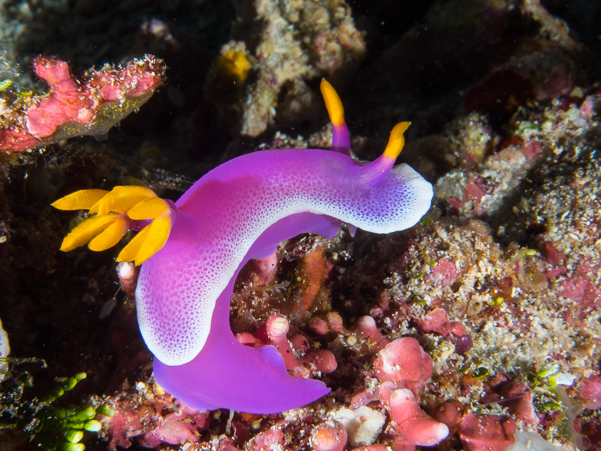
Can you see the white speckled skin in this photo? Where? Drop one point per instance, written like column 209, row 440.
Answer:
column 220, row 217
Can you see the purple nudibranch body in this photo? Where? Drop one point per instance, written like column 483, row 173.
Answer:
column 242, row 210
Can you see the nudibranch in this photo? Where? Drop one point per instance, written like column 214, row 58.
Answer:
column 192, row 250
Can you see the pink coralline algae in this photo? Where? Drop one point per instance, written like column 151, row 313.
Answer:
column 532, row 149
column 553, row 256
column 227, row 445
column 444, row 273
column 175, row 428
column 88, row 106
column 270, row 439
column 436, row 321
column 581, row 287
column 372, row 448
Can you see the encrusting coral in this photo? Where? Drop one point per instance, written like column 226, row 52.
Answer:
column 90, row 105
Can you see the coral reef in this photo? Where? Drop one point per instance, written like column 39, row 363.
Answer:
column 477, row 329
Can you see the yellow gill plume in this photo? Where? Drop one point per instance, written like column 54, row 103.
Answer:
column 112, row 215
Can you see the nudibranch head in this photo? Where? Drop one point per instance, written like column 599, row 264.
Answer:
column 111, row 214
column 199, row 245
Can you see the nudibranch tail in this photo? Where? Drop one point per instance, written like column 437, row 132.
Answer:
column 372, row 173
column 233, row 376
column 115, row 212
column 341, row 141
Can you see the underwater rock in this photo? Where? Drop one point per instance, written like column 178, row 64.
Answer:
column 297, row 42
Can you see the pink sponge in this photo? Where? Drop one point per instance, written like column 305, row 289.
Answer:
column 366, row 327
column 277, row 328
column 436, row 321
column 262, row 271
column 404, row 367
column 371, row 448
column 329, row 436
column 405, row 363
column 274, row 333
column 320, row 360
column 486, row 432
column 412, row 422
column 591, row 392
column 450, row 413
